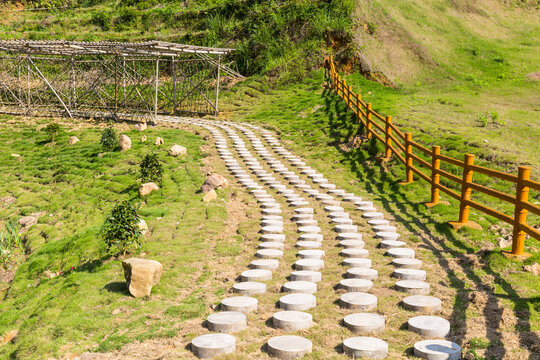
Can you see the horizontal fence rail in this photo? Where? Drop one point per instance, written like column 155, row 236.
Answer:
column 402, row 146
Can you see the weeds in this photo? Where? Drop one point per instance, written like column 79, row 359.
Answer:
column 10, row 239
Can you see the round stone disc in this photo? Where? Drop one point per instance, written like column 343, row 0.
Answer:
column 256, row 275
column 310, row 237
column 429, row 326
column 342, row 221
column 407, row 263
column 303, row 287
column 311, row 254
column 299, row 203
column 339, row 214
column 269, row 253
column 329, row 202
column 349, row 236
column 278, row 223
column 374, row 222
column 272, row 211
column 437, row 350
column 363, row 203
column 332, row 208
column 273, row 217
column 401, row 253
column 355, row 285
column 390, row 244
column 243, row 304
column 289, row 347
column 358, row 301
column 409, row 274
column 297, row 302
column 309, row 229
column 306, row 275
column 365, row 347
column 304, row 211
column 249, row 288
column 210, row 345
column 226, row 321
column 362, row 273
column 308, row 244
column 273, row 237
column 352, row 244
column 370, row 209
column 310, row 222
column 422, row 303
column 272, row 229
column 336, row 191
column 346, row 228
column 309, row 264
column 414, row 287
column 357, row 262
column 272, row 245
column 292, row 320
column 364, row 323
column 355, row 253
column 373, row 215
column 297, row 217
column 387, row 228
column 386, row 235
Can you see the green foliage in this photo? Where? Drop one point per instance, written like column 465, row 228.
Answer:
column 46, row 3
column 121, row 231
column 102, row 19
column 51, row 130
column 483, row 119
column 108, row 139
column 10, row 239
column 371, row 28
column 151, row 169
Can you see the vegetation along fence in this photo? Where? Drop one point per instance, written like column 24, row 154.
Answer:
column 403, row 147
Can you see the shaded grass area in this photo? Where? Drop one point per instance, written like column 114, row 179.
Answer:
column 314, row 124
column 87, row 305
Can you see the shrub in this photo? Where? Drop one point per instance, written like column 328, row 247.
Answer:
column 151, row 169
column 10, row 238
column 101, row 19
column 108, row 139
column 121, row 230
column 51, row 130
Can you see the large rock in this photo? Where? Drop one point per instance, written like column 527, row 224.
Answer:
column 159, row 141
column 141, row 127
column 141, row 275
column 211, row 195
column 124, row 142
column 147, row 188
column 177, row 150
column 214, row 181
column 73, row 140
column 142, row 226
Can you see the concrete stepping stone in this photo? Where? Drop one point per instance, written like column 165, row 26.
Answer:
column 299, row 203
column 342, row 221
column 304, row 210
column 272, row 245
column 308, row 222
column 320, row 180
column 352, row 199
column 328, row 186
column 273, row 237
column 289, row 347
column 210, row 345
column 309, row 229
column 349, row 236
column 311, row 254
column 249, row 288
column 407, row 263
column 401, row 253
column 297, row 182
column 422, row 303
column 303, row 287
column 330, row 202
column 409, row 274
column 290, row 320
column 331, row 208
column 271, row 211
column 391, row 244
column 297, row 302
column 256, row 275
column 346, row 194
column 306, row 275
column 303, row 186
column 373, row 215
column 387, row 228
column 357, row 262
column 310, row 237
column 414, row 287
column 338, row 214
column 226, row 321
column 386, row 235
column 269, row 253
column 362, row 273
column 374, row 222
column 278, row 223
column 356, row 285
column 352, row 244
column 346, row 228
column 355, row 253
column 429, row 326
column 309, row 264
column 273, row 217
column 364, row 323
column 265, row 264
column 437, row 350
column 297, row 217
column 362, row 347
column 366, row 209
column 358, row 301
column 309, row 244
column 312, row 192
column 336, row 191
column 243, row 304
column 309, row 171
column 363, row 203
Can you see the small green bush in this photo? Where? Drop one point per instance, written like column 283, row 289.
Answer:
column 121, row 231
column 108, row 139
column 51, row 130
column 102, row 19
column 10, row 239
column 151, row 169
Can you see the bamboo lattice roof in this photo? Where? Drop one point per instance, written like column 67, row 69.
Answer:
column 73, row 48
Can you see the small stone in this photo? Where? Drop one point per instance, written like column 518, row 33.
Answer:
column 422, row 303
column 297, row 302
column 210, row 345
column 143, row 138
column 73, row 140
column 177, row 150
column 211, row 195
column 358, row 301
column 141, row 275
column 243, row 304
column 534, row 268
column 364, row 323
column 365, row 347
column 142, row 226
column 289, row 347
column 291, row 320
column 226, row 321
column 124, row 142
column 147, row 188
column 159, row 141
column 429, row 326
column 15, row 155
column 437, row 350
column 141, row 126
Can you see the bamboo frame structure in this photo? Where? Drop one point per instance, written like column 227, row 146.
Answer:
column 118, row 80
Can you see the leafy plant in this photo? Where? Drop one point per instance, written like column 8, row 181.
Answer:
column 108, row 139
column 10, row 238
column 151, row 169
column 483, row 120
column 51, row 130
column 121, row 231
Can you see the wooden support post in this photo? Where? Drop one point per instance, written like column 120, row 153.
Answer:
column 349, row 98
column 156, row 92
column 368, row 120
column 388, row 139
column 217, row 85
column 435, row 177
column 408, row 160
column 520, row 216
column 465, row 196
column 358, row 104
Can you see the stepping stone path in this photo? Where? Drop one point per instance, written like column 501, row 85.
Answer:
column 271, row 173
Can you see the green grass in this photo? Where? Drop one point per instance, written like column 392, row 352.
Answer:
column 75, row 308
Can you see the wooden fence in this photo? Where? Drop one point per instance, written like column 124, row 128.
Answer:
column 403, row 147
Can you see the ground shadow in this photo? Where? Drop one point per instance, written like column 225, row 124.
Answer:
column 117, row 287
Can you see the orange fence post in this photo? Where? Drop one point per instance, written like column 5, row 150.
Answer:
column 358, row 104
column 345, row 89
column 408, row 160
column 349, row 98
column 388, row 140
column 435, row 177
column 368, row 120
column 520, row 215
column 465, row 196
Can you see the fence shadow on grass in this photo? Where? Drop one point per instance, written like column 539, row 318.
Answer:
column 409, row 214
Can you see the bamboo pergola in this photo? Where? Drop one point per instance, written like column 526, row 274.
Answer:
column 118, row 80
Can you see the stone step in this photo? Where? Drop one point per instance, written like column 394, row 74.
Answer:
column 401, row 253
column 437, row 350
column 211, row 345
column 409, row 274
column 362, row 273
column 429, row 326
column 304, row 210
column 256, row 275
column 273, row 237
column 310, row 237
column 249, row 288
column 387, row 235
column 373, row 215
column 346, row 228
column 303, row 287
column 413, row 287
column 357, row 262
column 422, row 303
column 374, row 222
column 364, row 323
column 390, row 244
column 269, row 253
column 355, row 285
column 290, row 320
column 306, row 275
column 226, row 321
column 365, row 348
column 349, row 236
column 289, row 347
column 407, row 263
column 297, row 302
column 309, row 264
column 272, row 245
column 311, row 254
column 352, row 244
column 354, row 253
column 243, row 304
column 308, row 244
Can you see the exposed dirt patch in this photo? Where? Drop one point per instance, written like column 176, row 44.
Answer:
column 534, row 76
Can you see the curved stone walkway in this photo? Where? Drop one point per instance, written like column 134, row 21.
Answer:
column 269, row 165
